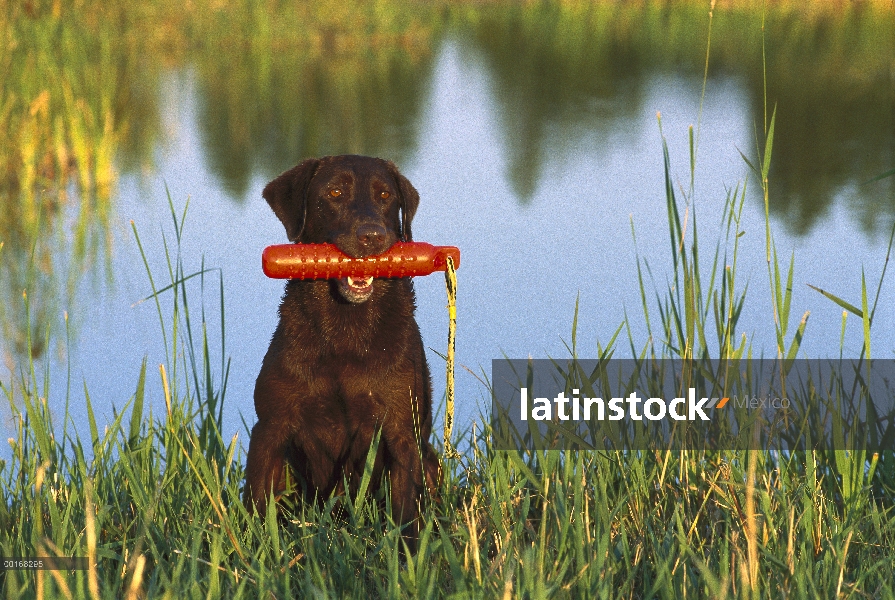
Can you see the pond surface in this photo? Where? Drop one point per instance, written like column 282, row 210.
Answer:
column 538, row 184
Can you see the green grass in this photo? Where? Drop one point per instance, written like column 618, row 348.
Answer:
column 154, row 499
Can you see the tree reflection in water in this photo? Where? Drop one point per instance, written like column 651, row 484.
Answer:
column 277, row 83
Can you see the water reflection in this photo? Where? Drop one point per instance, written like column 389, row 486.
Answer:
column 81, row 97
column 557, row 81
column 72, row 90
column 834, row 89
column 47, row 255
column 562, row 73
column 263, row 116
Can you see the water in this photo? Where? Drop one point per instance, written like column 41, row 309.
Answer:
column 541, row 225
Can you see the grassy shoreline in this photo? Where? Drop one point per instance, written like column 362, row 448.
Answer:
column 153, row 500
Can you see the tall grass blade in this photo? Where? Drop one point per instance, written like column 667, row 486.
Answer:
column 882, row 275
column 367, row 476
column 847, row 306
column 768, row 146
column 749, row 163
column 174, row 285
column 154, row 295
column 797, row 339
column 137, row 409
column 865, row 316
column 91, row 419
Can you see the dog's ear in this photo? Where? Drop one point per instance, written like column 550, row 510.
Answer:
column 287, row 196
column 409, row 200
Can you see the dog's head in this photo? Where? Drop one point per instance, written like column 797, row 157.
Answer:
column 361, row 204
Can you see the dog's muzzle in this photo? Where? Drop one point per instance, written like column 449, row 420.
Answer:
column 355, row 289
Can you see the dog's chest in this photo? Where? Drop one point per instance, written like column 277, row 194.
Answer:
column 346, row 418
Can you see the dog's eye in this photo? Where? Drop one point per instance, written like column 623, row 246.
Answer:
column 385, row 195
column 335, row 192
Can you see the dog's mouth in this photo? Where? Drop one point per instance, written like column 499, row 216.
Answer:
column 355, row 289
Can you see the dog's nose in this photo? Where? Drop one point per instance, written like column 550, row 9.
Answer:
column 369, row 235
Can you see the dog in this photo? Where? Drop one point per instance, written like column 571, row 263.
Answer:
column 346, row 359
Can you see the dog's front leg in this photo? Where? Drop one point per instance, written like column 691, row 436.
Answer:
column 406, row 482
column 265, row 464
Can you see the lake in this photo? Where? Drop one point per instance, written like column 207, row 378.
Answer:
column 530, row 132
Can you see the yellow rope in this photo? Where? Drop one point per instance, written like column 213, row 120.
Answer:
column 450, row 280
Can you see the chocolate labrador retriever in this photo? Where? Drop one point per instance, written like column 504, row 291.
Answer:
column 346, row 358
